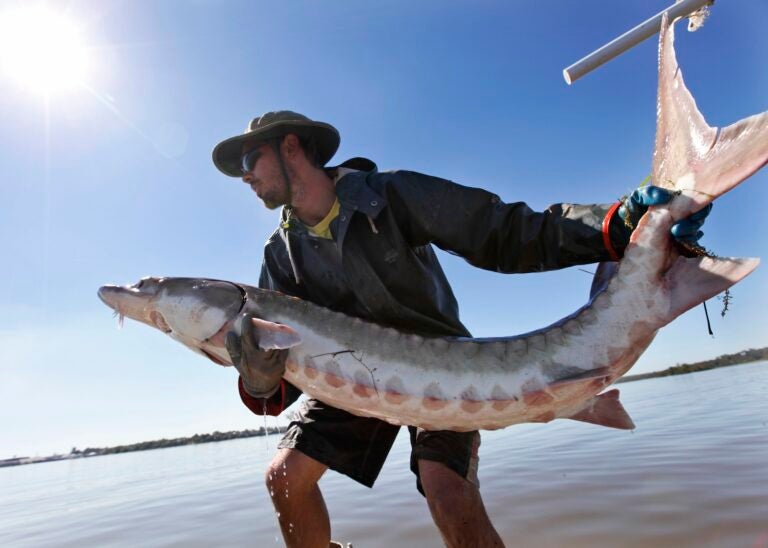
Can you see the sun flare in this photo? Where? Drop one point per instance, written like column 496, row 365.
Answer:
column 42, row 50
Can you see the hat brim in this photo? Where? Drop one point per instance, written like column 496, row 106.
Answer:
column 228, row 153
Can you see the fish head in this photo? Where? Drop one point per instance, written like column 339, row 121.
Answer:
column 194, row 311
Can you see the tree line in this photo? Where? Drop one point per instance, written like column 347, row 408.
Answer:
column 745, row 356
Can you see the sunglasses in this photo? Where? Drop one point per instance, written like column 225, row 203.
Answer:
column 248, row 160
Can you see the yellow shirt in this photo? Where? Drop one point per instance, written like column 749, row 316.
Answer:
column 323, row 228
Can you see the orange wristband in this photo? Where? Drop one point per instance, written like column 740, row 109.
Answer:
column 606, row 231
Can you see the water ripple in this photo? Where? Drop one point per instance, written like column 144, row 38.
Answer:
column 693, row 473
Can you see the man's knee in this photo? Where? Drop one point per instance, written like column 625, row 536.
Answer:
column 456, row 507
column 443, row 487
column 292, row 470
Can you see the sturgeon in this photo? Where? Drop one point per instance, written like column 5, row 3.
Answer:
column 465, row 383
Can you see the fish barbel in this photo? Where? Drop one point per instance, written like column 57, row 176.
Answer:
column 465, row 384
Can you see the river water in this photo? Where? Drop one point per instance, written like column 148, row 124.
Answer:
column 693, row 473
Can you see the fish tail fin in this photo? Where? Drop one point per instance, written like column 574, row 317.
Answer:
column 700, row 161
column 738, row 151
column 605, row 410
column 693, row 281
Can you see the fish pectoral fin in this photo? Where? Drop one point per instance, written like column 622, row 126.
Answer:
column 605, row 410
column 275, row 336
column 594, row 379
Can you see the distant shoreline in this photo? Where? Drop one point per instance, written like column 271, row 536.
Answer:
column 726, row 360
column 76, row 453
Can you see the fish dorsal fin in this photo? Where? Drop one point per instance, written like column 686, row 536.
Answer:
column 605, row 410
column 702, row 161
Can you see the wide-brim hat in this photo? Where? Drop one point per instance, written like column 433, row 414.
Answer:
column 227, row 154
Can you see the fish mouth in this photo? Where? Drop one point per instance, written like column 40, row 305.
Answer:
column 108, row 294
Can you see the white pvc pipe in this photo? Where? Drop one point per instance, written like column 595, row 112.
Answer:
column 629, row 39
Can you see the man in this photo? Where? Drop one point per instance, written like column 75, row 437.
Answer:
column 359, row 241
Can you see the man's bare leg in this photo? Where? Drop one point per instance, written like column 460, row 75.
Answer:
column 292, row 482
column 456, row 508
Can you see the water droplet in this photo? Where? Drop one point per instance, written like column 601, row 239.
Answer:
column 266, row 430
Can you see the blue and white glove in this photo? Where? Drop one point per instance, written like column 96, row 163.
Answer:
column 686, row 232
column 632, row 209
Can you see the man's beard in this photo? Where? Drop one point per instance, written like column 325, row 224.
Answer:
column 272, row 205
column 280, row 195
column 276, row 197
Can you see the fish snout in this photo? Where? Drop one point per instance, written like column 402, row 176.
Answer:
column 126, row 301
column 107, row 295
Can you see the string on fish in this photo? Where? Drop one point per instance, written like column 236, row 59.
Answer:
column 679, row 191
column 709, row 325
column 696, row 250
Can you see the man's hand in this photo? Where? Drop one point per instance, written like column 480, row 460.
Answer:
column 260, row 370
column 688, row 231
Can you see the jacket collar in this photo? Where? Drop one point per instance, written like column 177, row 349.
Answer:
column 352, row 190
column 355, row 195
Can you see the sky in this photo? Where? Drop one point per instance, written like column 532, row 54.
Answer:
column 112, row 179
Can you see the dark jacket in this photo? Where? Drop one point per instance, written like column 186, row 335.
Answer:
column 381, row 265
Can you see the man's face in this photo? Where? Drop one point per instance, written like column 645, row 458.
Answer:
column 265, row 177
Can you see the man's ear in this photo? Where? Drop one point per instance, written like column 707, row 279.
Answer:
column 290, row 146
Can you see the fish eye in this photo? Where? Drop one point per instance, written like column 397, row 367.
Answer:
column 145, row 281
